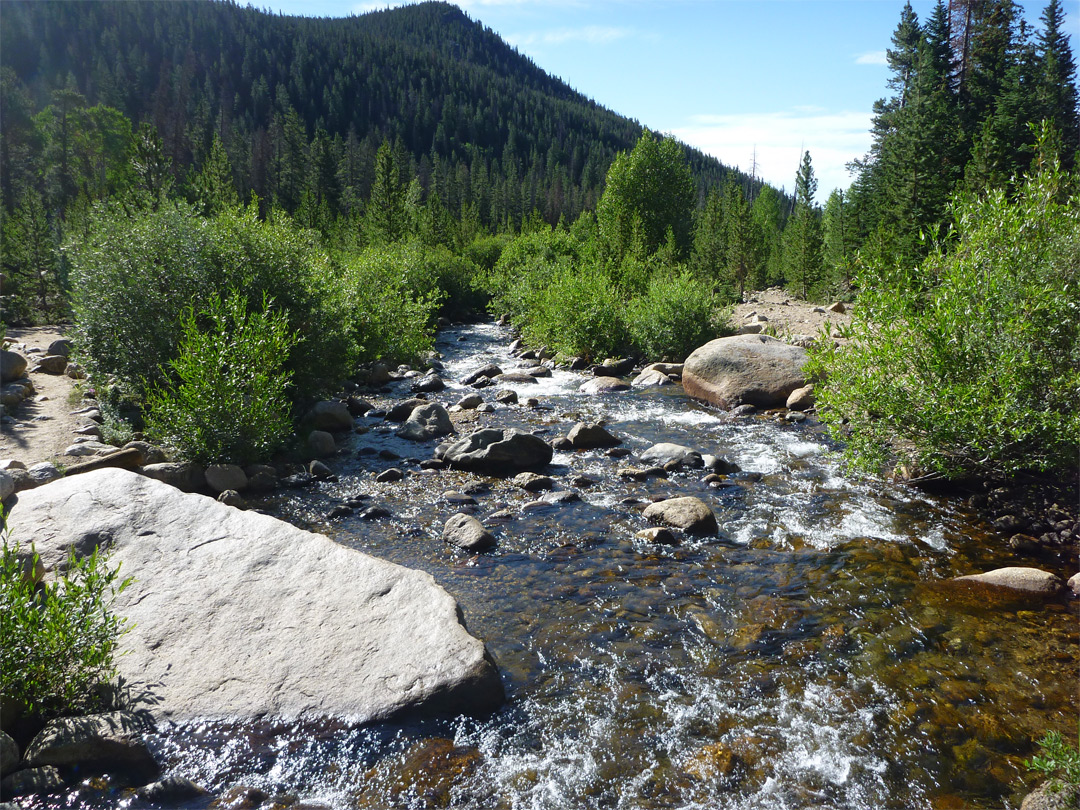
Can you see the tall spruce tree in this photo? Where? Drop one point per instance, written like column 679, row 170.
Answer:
column 1056, row 81
column 803, row 264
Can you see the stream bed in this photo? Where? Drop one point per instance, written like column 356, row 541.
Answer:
column 808, row 656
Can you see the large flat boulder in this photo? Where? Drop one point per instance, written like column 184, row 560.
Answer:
column 237, row 615
column 744, row 370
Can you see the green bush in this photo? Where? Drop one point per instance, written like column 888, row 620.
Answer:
column 229, row 397
column 59, row 638
column 578, row 312
column 527, row 264
column 134, row 273
column 673, row 317
column 970, row 364
column 390, row 306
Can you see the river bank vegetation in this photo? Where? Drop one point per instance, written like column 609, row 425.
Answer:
column 334, row 187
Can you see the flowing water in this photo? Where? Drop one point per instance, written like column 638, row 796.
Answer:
column 808, row 656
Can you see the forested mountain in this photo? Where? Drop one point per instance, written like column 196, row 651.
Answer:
column 301, row 106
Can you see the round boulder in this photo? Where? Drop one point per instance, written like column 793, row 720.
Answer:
column 320, row 444
column 12, row 366
column 603, row 385
column 801, row 399
column 223, row 477
column 466, row 532
column 744, row 369
column 690, row 514
column 52, row 364
column 589, row 435
column 330, row 415
column 666, row 453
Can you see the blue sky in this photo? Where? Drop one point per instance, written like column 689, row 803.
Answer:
column 738, row 79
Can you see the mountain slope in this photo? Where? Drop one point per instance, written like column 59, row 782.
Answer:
column 469, row 109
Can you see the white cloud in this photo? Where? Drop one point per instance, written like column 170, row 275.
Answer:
column 777, row 140
column 872, row 58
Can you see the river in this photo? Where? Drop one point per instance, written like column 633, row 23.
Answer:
column 808, row 656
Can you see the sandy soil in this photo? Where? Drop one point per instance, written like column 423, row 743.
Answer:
column 788, row 316
column 43, row 425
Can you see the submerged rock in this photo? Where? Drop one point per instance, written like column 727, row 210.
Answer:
column 666, row 453
column 744, row 369
column 237, row 615
column 1028, row 580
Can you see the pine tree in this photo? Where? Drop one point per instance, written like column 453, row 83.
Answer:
column 1056, row 81
column 386, row 206
column 212, row 189
column 803, row 264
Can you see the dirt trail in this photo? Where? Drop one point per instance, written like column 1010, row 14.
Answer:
column 788, row 316
column 43, row 425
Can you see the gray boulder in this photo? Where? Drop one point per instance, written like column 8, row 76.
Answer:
column 744, row 369
column 44, row 472
column 603, row 385
column 1028, row 580
column 186, row 476
column 61, row 347
column 665, row 453
column 320, row 444
column 98, row 742
column 223, row 477
column 465, row 531
column 589, row 435
column 1074, row 584
column 690, row 514
column 12, row 366
column 238, row 615
column 429, row 384
column 426, row 422
column 470, row 402
column 7, row 485
column 489, row 371
column 330, row 415
column 651, row 377
column 498, row 452
column 403, row 410
column 9, row 753
column 46, row 779
column 52, row 364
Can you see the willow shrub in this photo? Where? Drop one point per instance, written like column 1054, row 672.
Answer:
column 391, row 298
column 970, row 364
column 577, row 312
column 227, row 399
column 675, row 314
column 134, row 273
column 60, row 638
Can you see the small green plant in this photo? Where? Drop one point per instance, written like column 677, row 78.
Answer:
column 230, row 399
column 60, row 638
column 1058, row 761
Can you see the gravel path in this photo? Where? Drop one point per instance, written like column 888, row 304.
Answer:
column 43, row 425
